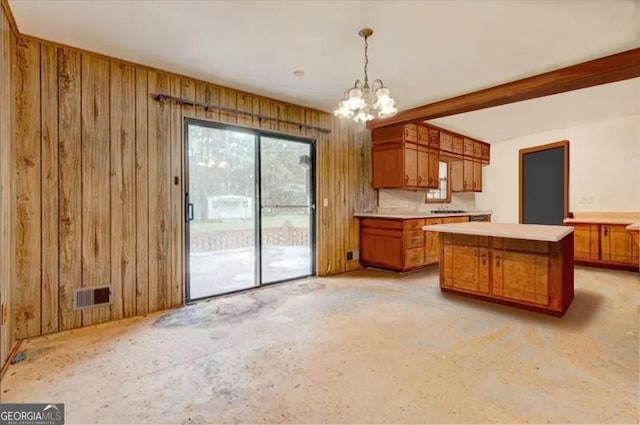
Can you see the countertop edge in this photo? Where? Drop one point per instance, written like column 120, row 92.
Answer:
column 410, row 216
column 447, row 228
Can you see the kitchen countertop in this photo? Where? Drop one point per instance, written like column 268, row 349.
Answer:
column 634, row 226
column 412, row 215
column 534, row 232
column 603, row 218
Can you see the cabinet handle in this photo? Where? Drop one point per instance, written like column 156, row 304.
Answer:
column 484, row 259
column 498, row 261
column 419, row 179
column 606, row 232
column 406, row 178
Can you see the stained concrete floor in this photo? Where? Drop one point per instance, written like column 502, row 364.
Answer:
column 364, row 347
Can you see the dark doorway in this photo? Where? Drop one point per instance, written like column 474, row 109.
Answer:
column 544, row 184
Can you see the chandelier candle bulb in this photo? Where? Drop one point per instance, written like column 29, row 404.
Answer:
column 362, row 101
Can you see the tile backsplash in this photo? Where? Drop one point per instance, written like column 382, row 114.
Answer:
column 399, row 200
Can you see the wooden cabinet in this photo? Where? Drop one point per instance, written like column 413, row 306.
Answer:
column 465, row 268
column 535, row 275
column 403, row 157
column 617, row 245
column 400, row 245
column 586, row 242
column 407, row 156
column 604, row 245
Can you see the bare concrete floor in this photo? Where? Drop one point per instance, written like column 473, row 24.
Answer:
column 364, row 347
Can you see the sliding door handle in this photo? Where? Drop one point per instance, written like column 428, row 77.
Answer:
column 188, row 212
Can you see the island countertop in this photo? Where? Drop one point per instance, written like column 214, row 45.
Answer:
column 535, row 232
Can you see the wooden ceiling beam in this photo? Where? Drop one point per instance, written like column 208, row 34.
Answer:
column 617, row 67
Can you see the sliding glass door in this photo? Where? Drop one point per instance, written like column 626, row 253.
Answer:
column 287, row 209
column 249, row 209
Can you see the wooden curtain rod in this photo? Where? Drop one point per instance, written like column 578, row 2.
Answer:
column 182, row 101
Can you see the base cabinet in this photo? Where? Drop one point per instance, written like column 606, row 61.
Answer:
column 606, row 245
column 534, row 275
column 400, row 244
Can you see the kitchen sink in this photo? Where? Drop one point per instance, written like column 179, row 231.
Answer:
column 447, row 211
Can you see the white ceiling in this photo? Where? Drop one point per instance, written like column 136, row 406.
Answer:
column 563, row 110
column 423, row 50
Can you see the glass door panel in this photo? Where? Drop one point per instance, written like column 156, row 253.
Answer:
column 287, row 209
column 221, row 231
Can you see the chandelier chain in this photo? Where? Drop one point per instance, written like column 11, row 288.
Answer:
column 366, row 63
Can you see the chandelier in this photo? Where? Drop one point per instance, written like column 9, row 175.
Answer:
column 362, row 101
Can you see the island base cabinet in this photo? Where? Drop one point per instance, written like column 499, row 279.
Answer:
column 521, row 276
column 466, row 268
column 533, row 275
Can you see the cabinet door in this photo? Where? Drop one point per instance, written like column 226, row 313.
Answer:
column 423, row 135
column 468, row 147
column 465, row 268
column 411, row 133
column 446, row 142
column 521, row 276
column 434, row 138
column 388, row 166
column 410, row 165
column 456, row 178
column 477, row 176
column 433, row 176
column 467, row 180
column 423, row 167
column 382, row 248
column 617, row 244
column 585, row 242
column 458, row 145
column 432, row 243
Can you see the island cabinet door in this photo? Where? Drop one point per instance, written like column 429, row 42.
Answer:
column 585, row 241
column 466, row 268
column 520, row 276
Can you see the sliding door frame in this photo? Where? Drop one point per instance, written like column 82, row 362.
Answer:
column 258, row 134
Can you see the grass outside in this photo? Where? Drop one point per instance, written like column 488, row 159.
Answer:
column 237, row 224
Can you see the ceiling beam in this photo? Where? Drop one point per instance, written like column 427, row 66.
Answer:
column 609, row 69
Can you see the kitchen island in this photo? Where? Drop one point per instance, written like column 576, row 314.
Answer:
column 527, row 266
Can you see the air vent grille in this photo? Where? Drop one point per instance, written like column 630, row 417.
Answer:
column 91, row 297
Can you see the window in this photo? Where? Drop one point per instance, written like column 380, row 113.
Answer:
column 443, row 193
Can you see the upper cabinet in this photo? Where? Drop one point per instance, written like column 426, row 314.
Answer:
column 406, row 156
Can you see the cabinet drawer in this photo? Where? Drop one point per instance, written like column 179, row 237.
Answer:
column 413, row 258
column 413, row 239
column 413, row 224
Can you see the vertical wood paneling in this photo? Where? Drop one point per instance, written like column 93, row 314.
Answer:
column 96, row 196
column 119, row 210
column 70, row 185
column 186, row 89
column 142, row 195
column 49, row 96
column 123, row 205
column 27, row 313
column 159, row 194
column 7, row 186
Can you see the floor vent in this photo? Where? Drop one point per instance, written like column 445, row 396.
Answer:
column 91, row 297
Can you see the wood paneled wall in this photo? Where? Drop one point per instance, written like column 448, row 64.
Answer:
column 96, row 200
column 7, row 186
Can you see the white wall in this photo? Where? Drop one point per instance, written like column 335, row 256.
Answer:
column 604, row 165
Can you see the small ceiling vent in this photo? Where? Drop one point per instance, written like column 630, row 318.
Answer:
column 91, row 297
